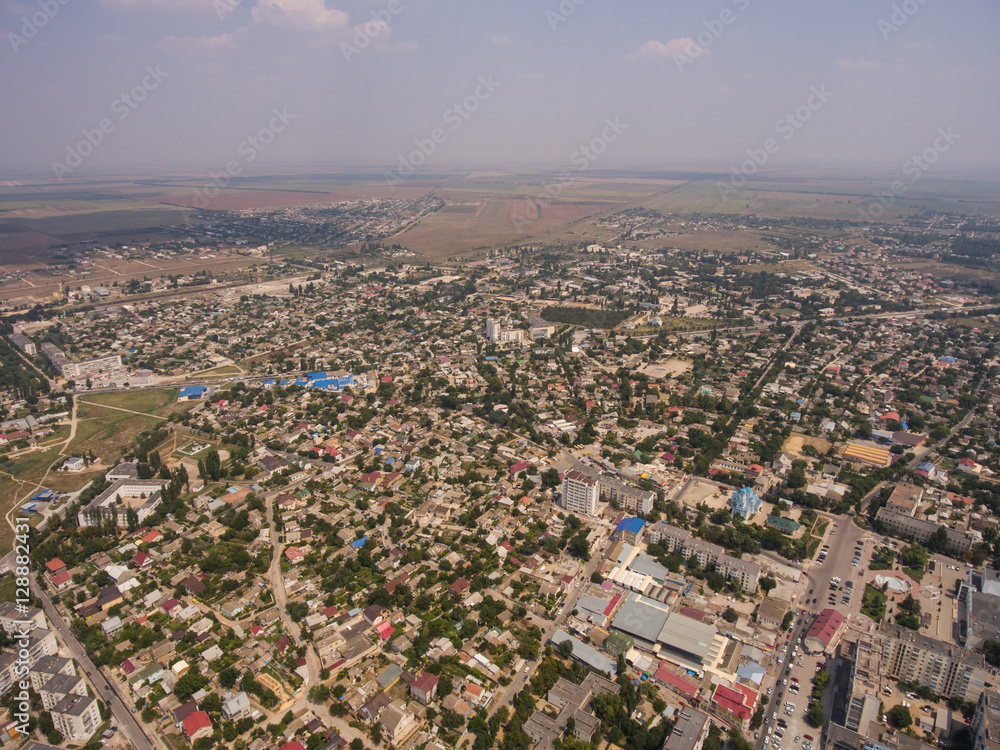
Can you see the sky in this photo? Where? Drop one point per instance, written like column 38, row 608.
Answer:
column 106, row 85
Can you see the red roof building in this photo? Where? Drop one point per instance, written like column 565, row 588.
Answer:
column 734, row 703
column 823, row 631
column 196, row 726
column 424, row 687
column 55, row 565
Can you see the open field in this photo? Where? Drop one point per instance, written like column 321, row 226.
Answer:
column 796, row 441
column 666, row 368
column 109, row 431
column 218, row 372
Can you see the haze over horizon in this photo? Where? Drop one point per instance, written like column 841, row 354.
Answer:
column 354, row 82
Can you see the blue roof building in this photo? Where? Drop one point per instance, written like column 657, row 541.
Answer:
column 745, row 503
column 191, row 392
column 359, row 543
column 630, row 528
column 329, row 383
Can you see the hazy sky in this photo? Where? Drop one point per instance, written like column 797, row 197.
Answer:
column 692, row 82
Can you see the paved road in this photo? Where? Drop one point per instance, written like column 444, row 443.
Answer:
column 548, row 630
column 802, row 624
column 126, row 721
column 281, row 600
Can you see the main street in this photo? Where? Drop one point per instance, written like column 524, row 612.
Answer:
column 104, row 688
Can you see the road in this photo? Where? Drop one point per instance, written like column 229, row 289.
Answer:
column 548, row 630
column 784, row 662
column 126, row 721
column 281, row 600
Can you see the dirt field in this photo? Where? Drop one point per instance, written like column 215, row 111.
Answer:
column 796, row 441
column 700, row 490
column 665, row 369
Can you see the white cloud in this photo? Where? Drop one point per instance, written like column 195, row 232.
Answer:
column 846, row 63
column 303, row 15
column 499, row 39
column 680, row 46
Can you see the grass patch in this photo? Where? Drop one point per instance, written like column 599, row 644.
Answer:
column 219, row 372
column 916, row 574
column 813, row 546
column 109, row 432
column 146, row 401
column 873, row 603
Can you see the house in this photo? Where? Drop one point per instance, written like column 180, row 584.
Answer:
column 294, row 555
column 55, row 565
column 196, row 726
column 397, row 723
column 373, row 614
column 424, row 688
column 374, row 707
column 236, row 707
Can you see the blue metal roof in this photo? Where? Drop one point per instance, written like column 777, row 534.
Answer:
column 631, row 524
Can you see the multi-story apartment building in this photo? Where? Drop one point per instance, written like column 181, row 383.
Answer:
column 23, row 343
column 497, row 333
column 985, row 726
column 76, row 717
column 627, row 497
column 580, row 492
column 921, row 530
column 673, row 537
column 70, row 369
column 11, row 618
column 911, row 657
column 735, row 569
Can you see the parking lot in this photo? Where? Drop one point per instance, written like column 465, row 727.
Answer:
column 788, row 698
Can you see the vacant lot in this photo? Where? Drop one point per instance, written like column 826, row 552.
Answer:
column 797, row 441
column 109, row 422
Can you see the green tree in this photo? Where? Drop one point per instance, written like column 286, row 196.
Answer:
column 899, row 717
column 815, row 716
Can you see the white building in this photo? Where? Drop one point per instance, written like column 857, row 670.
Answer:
column 580, row 492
